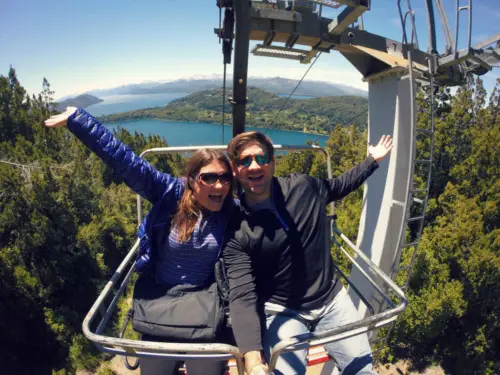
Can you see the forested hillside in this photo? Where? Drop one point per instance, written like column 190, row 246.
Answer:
column 66, row 222
column 264, row 110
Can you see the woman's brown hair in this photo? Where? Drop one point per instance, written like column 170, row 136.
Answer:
column 188, row 210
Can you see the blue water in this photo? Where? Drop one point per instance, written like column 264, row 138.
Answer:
column 123, row 103
column 198, row 133
column 184, row 133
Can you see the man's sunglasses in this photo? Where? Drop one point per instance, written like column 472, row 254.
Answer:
column 259, row 159
column 212, row 178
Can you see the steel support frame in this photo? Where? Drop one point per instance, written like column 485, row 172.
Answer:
column 346, row 39
column 391, row 111
column 362, row 48
column 347, row 17
column 240, row 69
column 474, row 54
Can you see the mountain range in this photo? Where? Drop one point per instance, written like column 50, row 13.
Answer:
column 275, row 85
column 264, row 110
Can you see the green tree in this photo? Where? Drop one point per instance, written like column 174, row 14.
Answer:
column 65, row 224
column 453, row 314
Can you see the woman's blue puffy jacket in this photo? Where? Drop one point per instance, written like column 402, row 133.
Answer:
column 161, row 189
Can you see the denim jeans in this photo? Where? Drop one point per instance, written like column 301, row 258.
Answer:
column 352, row 355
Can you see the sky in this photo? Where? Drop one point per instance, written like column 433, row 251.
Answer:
column 79, row 45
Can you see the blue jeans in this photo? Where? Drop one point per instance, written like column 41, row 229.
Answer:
column 352, row 355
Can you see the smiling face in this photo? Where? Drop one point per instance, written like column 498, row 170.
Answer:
column 255, row 179
column 208, row 193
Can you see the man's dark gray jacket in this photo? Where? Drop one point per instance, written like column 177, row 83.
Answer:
column 283, row 255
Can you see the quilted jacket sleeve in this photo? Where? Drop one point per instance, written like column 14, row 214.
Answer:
column 136, row 172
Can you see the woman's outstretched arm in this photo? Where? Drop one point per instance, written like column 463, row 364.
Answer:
column 137, row 173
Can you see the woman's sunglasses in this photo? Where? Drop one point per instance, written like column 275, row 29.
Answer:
column 212, row 178
column 259, row 159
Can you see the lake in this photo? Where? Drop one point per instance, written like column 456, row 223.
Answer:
column 123, row 103
column 198, row 133
column 179, row 133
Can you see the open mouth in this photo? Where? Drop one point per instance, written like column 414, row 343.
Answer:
column 215, row 198
column 257, row 179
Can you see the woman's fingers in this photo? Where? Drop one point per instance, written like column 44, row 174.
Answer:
column 56, row 121
column 61, row 119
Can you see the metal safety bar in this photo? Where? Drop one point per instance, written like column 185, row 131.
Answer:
column 137, row 348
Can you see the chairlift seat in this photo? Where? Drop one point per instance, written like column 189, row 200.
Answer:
column 115, row 288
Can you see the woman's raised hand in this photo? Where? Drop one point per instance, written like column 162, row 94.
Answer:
column 61, row 119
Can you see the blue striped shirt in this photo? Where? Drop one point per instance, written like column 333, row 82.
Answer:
column 192, row 262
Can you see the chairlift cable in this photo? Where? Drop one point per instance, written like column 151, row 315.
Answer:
column 220, row 24
column 223, row 78
column 347, row 122
column 223, row 101
column 289, row 96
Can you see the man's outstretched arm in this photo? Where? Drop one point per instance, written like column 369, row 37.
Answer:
column 338, row 188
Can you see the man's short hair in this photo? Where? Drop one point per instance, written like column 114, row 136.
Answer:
column 241, row 140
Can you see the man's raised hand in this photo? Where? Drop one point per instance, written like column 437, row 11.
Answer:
column 383, row 147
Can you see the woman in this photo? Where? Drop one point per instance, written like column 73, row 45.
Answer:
column 181, row 237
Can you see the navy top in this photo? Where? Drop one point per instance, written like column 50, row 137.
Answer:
column 192, row 262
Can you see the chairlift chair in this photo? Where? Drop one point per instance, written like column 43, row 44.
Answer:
column 105, row 305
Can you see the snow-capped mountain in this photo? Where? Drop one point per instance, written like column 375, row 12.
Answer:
column 196, row 83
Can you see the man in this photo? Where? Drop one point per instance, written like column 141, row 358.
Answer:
column 278, row 259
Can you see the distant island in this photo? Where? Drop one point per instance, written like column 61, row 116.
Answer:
column 81, row 101
column 264, row 110
column 274, row 85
